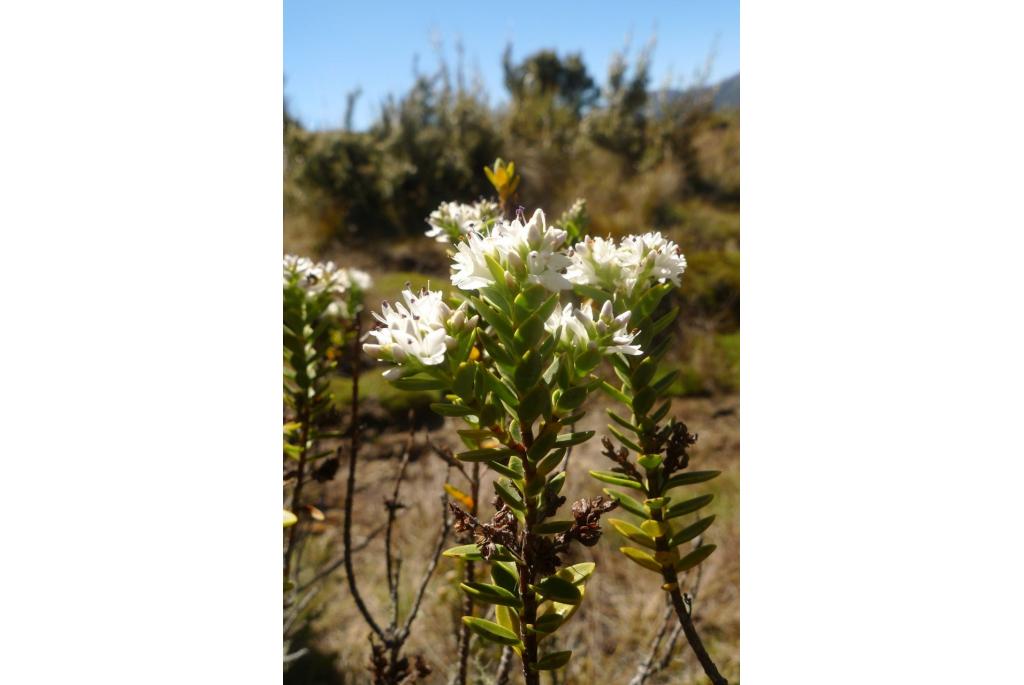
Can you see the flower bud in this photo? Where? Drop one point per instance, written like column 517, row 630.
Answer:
column 373, row 350
column 398, row 354
column 606, row 311
column 515, row 261
column 450, row 342
column 458, row 320
column 394, row 373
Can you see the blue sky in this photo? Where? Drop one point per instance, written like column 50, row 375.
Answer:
column 331, row 48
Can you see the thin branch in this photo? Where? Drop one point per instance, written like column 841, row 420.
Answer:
column 340, row 561
column 350, row 486
column 296, row 609
column 666, row 659
column 469, row 576
column 504, row 667
column 646, row 669
column 446, row 525
column 392, row 566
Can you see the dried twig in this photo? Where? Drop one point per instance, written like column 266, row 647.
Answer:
column 340, row 561
column 504, row 667
column 387, row 664
column 646, row 668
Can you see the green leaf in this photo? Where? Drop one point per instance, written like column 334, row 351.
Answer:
column 513, row 470
column 468, row 552
column 491, row 594
column 690, row 532
column 688, row 507
column 491, row 631
column 536, row 402
column 650, row 461
column 507, row 618
column 631, row 532
column 690, row 478
column 660, row 413
column 445, row 409
column 659, row 325
column 543, row 443
column 644, row 372
column 623, row 422
column 624, row 440
column 577, row 573
column 475, row 433
column 641, row 557
column 528, row 371
column 465, row 379
column 628, row 503
column 554, row 486
column 642, row 401
column 614, row 392
column 596, row 294
column 509, row 496
column 506, row 575
column 566, row 439
column 548, row 623
column 550, row 662
column 500, row 388
column 617, row 479
column 695, row 557
column 484, row 454
column 414, row 384
column 662, row 384
column 497, row 352
column 548, row 463
column 572, row 398
column 558, row 590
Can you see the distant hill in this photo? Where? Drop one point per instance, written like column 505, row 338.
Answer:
column 726, row 93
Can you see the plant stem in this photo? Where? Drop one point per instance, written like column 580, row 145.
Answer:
column 469, row 575
column 668, row 573
column 529, row 616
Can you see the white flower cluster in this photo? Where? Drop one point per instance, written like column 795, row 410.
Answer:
column 529, row 248
column 578, row 329
column 317, row 277
column 635, row 261
column 420, row 328
column 454, row 220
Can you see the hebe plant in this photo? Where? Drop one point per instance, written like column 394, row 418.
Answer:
column 516, row 355
column 319, row 302
column 637, row 274
column 516, row 359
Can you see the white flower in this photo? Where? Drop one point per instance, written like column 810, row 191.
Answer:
column 597, row 262
column 651, row 256
column 531, row 250
column 453, row 220
column 316, row 278
column 413, row 328
column 469, row 270
column 634, row 261
column 579, row 330
column 355, row 278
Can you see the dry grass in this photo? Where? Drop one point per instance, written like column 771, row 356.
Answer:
column 623, row 608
